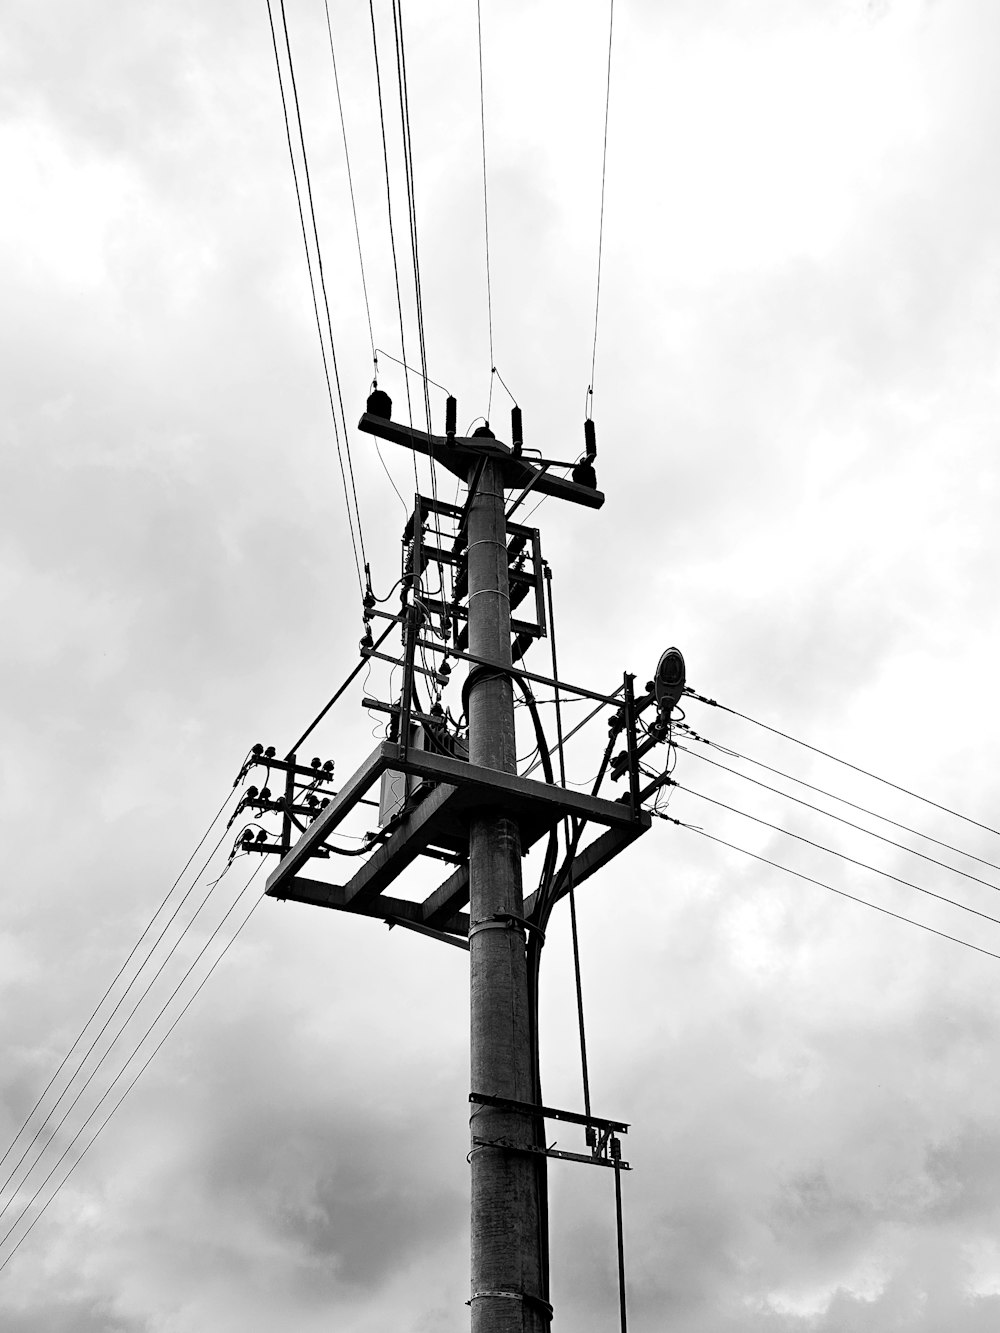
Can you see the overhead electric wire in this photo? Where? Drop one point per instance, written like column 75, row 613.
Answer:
column 486, row 205
column 411, row 200
column 379, row 351
column 350, row 178
column 604, row 175
column 714, row 703
column 138, row 1074
column 213, row 885
column 411, row 197
column 358, row 540
column 322, row 283
column 107, row 1022
column 841, row 800
column 860, row 828
column 392, row 231
column 841, row 893
column 863, row 865
column 115, row 979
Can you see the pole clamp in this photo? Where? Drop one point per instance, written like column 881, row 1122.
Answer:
column 539, row 1302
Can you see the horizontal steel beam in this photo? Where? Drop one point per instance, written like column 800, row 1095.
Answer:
column 490, row 785
column 594, row 857
column 318, row 893
column 461, row 457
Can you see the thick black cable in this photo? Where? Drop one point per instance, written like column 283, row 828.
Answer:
column 486, row 205
column 714, row 703
column 132, row 952
column 841, row 893
column 312, row 286
column 860, row 828
column 863, row 865
column 841, row 800
column 350, row 178
column 604, row 174
column 620, row 1234
column 104, row 1027
column 570, row 847
column 138, row 1074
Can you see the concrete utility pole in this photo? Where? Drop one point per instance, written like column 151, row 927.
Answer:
column 468, row 806
column 507, row 1241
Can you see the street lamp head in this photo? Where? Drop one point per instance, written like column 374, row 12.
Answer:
column 669, row 681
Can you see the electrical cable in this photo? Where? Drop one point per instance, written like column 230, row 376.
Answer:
column 322, row 283
column 714, row 703
column 379, row 352
column 350, row 179
column 486, row 206
column 411, row 196
column 573, row 730
column 570, row 845
column 841, row 893
column 842, row 800
column 139, row 1073
column 326, row 708
column 863, row 865
column 604, row 174
column 355, row 541
column 392, row 232
column 860, row 828
column 132, row 952
column 107, row 1022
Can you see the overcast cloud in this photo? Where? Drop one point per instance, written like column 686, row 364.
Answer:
column 796, row 399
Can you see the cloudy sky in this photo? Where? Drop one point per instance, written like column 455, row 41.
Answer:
column 796, row 396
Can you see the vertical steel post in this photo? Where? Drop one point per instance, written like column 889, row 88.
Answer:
column 507, row 1239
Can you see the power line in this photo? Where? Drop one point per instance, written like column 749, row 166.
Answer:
column 411, row 196
column 114, row 1040
column 842, row 800
column 355, row 541
column 392, row 232
column 350, row 177
column 137, row 1076
column 322, row 281
column 860, row 828
column 841, row 893
column 714, row 703
column 604, row 174
column 114, row 981
column 863, row 865
column 486, row 206
column 107, row 1022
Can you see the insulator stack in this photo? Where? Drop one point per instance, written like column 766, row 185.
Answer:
column 516, row 431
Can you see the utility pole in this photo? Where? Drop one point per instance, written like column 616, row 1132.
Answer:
column 507, row 1244
column 454, row 794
